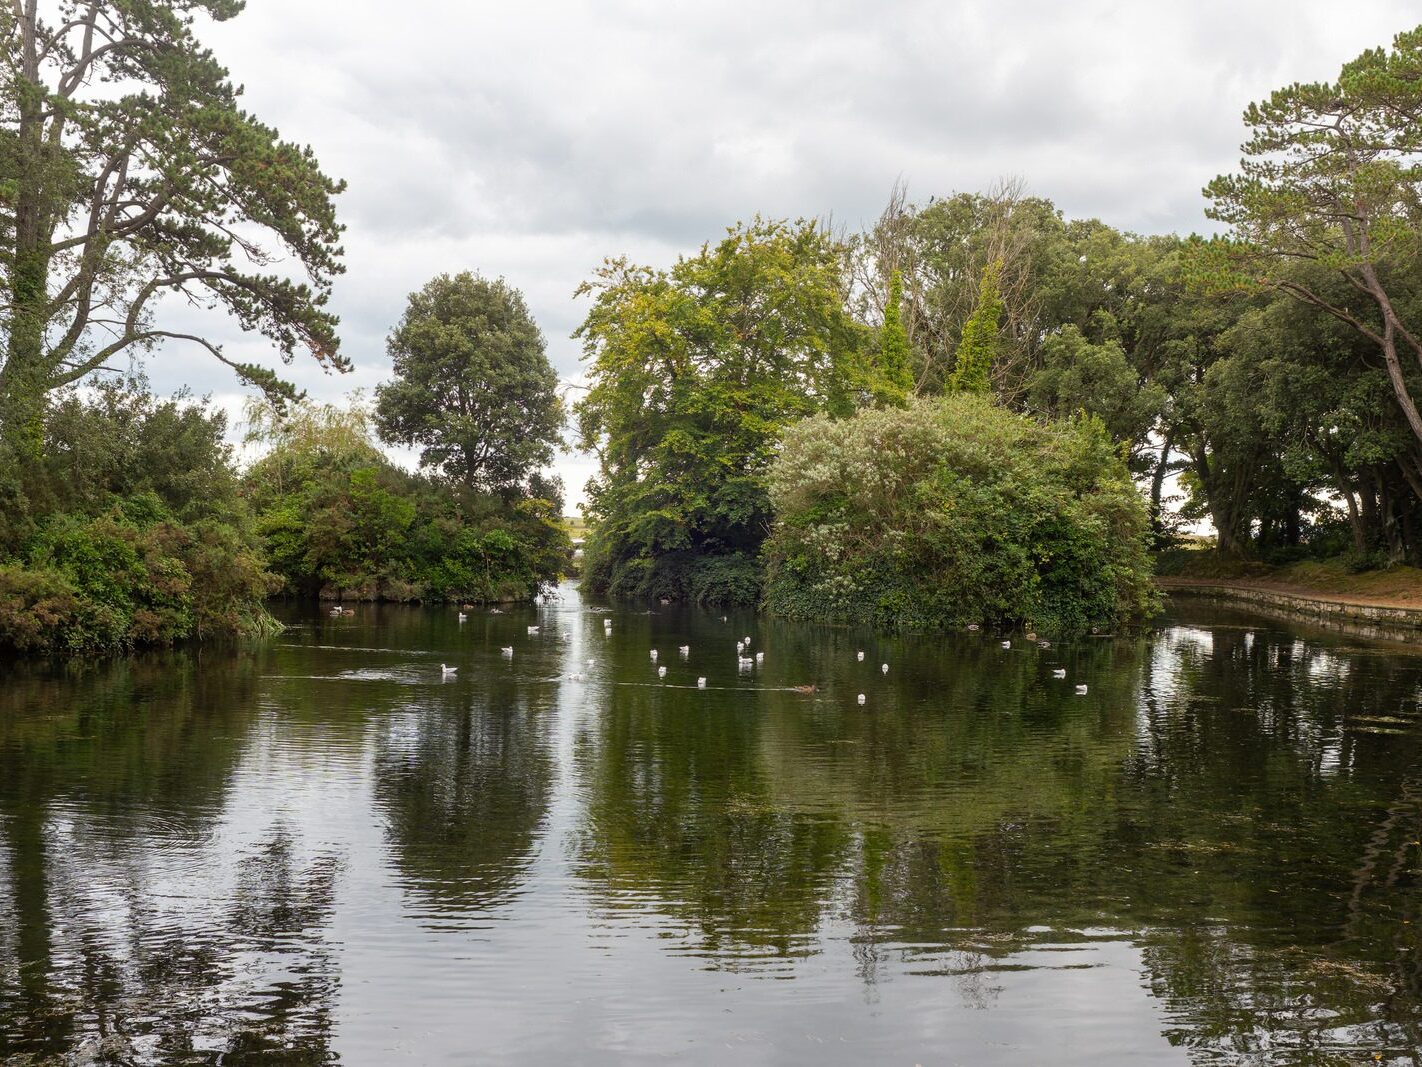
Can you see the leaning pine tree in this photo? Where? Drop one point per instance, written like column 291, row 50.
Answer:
column 128, row 173
column 1329, row 188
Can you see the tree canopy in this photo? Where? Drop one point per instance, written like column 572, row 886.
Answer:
column 472, row 386
column 693, row 374
column 1330, row 187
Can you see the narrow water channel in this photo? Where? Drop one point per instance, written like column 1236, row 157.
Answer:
column 325, row 846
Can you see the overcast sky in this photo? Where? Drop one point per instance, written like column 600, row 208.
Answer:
column 531, row 140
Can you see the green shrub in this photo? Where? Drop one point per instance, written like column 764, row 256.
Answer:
column 727, row 581
column 956, row 511
column 127, row 529
column 38, row 608
column 732, row 579
column 127, row 578
column 338, row 518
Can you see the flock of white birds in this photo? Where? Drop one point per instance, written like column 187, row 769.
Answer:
column 744, row 661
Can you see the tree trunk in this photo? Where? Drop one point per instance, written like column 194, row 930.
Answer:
column 1157, row 485
column 23, row 377
column 1355, row 520
column 1293, row 520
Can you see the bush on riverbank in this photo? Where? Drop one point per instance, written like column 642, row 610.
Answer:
column 338, row 519
column 956, row 511
column 127, row 530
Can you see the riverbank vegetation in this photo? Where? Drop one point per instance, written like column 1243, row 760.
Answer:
column 133, row 177
column 338, row 519
column 128, row 528
column 1030, row 364
column 955, row 511
column 1262, row 380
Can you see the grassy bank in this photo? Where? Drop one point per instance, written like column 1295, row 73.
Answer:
column 1335, row 579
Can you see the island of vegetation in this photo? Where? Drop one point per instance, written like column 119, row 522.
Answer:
column 976, row 410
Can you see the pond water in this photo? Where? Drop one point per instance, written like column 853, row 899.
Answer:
column 325, row 849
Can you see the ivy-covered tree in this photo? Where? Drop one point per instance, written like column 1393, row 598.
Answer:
column 981, row 341
column 473, row 387
column 894, row 382
column 694, row 373
column 131, row 174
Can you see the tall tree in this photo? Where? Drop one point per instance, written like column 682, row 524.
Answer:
column 473, row 386
column 694, row 374
column 130, row 174
column 1331, row 176
column 978, row 349
column 895, row 372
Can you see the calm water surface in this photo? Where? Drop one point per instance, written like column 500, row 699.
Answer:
column 323, row 850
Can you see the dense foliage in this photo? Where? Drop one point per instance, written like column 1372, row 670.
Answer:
column 472, row 385
column 954, row 511
column 128, row 530
column 694, row 373
column 338, row 519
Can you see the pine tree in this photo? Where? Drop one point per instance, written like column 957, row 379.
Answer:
column 977, row 351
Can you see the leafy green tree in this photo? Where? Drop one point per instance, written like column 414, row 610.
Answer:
column 979, row 347
column 895, row 370
column 131, row 174
column 1330, row 176
column 473, row 386
column 1079, row 376
column 694, row 374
